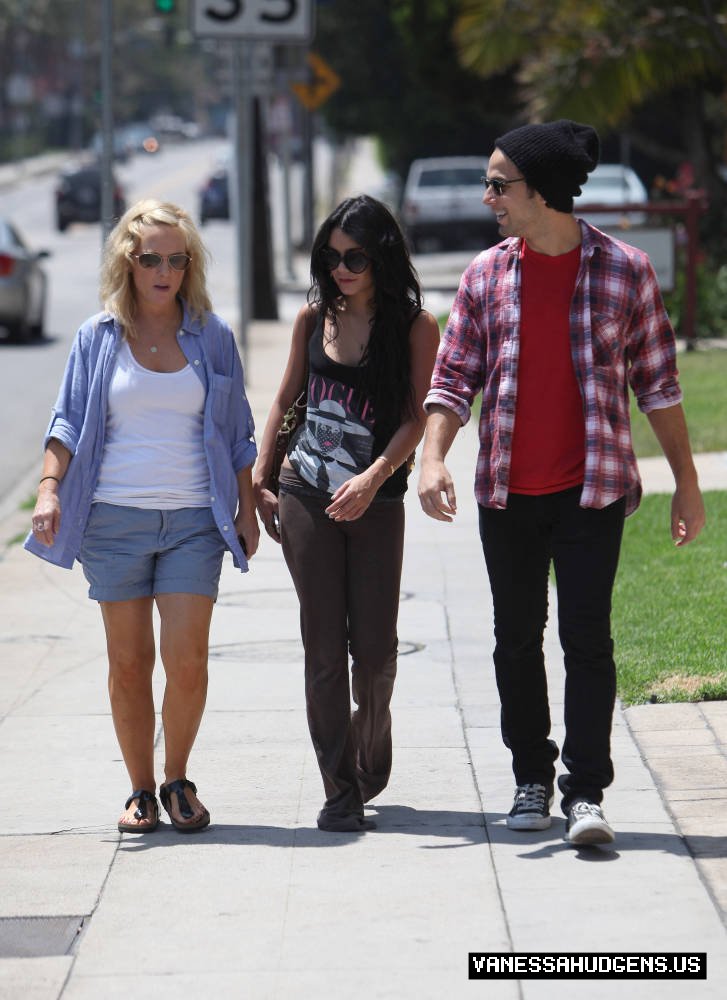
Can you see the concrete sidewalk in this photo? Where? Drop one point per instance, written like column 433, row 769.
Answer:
column 262, row 904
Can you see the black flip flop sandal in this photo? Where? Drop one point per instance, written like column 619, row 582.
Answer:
column 147, row 801
column 177, row 788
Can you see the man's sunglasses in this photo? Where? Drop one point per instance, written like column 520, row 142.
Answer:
column 355, row 261
column 497, row 185
column 179, row 261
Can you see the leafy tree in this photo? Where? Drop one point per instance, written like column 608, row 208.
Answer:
column 653, row 75
column 403, row 82
column 619, row 64
column 157, row 65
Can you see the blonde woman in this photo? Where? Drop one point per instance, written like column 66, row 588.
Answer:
column 146, row 480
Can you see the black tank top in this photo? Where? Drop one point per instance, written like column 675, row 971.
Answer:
column 339, row 438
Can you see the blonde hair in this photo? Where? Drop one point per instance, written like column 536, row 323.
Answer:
column 117, row 288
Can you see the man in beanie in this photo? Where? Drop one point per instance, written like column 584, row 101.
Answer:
column 553, row 324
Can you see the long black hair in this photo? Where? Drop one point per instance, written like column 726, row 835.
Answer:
column 397, row 302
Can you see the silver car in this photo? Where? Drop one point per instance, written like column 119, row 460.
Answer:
column 442, row 206
column 612, row 184
column 23, row 286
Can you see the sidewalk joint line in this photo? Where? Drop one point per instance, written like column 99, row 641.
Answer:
column 460, row 712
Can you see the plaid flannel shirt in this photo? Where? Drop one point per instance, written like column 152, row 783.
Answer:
column 620, row 335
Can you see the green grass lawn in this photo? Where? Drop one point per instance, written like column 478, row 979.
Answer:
column 670, row 607
column 703, row 378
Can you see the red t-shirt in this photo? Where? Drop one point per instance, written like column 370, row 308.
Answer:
column 548, row 451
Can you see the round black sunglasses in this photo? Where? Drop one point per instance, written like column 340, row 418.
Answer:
column 355, row 261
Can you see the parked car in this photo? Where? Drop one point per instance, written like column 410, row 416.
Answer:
column 214, row 197
column 442, row 204
column 612, row 184
column 23, row 285
column 121, row 148
column 78, row 196
column 173, row 128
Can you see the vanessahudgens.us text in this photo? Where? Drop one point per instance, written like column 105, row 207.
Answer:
column 587, row 965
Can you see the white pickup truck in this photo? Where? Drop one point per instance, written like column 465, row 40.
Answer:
column 442, row 205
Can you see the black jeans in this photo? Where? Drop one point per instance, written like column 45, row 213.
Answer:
column 583, row 544
column 347, row 577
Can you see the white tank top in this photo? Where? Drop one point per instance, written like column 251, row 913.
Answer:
column 153, row 454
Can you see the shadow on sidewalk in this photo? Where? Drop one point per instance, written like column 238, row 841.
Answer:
column 465, row 829
column 548, row 843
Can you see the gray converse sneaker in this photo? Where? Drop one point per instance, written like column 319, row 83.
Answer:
column 586, row 824
column 531, row 808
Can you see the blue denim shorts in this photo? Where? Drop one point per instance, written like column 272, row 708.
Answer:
column 129, row 552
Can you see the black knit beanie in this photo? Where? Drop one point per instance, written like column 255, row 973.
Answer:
column 555, row 158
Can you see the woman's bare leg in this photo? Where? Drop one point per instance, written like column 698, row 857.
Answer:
column 184, row 643
column 130, row 645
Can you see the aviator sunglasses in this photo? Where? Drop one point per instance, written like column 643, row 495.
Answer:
column 355, row 261
column 497, row 185
column 178, row 261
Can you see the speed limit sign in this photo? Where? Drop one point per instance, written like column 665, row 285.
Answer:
column 262, row 20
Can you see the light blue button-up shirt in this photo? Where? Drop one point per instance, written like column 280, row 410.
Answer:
column 78, row 421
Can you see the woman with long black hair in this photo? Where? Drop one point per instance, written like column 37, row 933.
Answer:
column 368, row 349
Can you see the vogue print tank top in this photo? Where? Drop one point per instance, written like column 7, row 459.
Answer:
column 338, row 439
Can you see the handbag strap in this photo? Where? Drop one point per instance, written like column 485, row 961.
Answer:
column 311, row 321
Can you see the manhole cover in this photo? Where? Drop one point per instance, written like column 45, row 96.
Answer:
column 35, row 937
column 272, row 599
column 278, row 651
column 266, row 651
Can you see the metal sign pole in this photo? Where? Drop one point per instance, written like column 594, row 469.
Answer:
column 107, row 120
column 287, row 222
column 243, row 185
column 252, row 22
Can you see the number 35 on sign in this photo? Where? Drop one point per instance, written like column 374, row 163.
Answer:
column 263, row 20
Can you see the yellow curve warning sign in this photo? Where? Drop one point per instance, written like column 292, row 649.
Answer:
column 322, row 82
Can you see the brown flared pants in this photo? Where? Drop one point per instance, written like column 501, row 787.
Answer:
column 347, row 577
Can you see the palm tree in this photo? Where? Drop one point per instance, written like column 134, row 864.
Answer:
column 604, row 61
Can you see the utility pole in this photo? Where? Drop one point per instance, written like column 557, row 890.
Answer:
column 242, row 188
column 107, row 119
column 246, row 25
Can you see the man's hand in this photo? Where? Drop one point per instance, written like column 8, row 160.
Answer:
column 687, row 506
column 436, row 490
column 687, row 514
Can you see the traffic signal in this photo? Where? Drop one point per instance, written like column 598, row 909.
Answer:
column 165, row 6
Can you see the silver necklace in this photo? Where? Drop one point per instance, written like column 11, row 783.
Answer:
column 153, row 349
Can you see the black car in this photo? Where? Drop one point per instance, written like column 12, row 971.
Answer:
column 78, row 196
column 214, row 198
